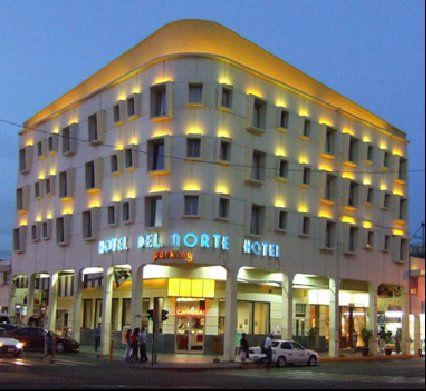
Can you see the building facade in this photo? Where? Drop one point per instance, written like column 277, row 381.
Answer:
column 5, row 280
column 199, row 169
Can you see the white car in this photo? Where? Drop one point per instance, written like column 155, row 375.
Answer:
column 10, row 346
column 285, row 352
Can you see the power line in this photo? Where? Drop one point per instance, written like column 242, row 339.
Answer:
column 380, row 172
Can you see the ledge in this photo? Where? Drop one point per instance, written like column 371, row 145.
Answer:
column 161, row 118
column 305, row 138
column 256, row 131
column 254, row 182
column 282, row 130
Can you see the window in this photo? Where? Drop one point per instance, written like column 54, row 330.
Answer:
column 370, row 239
column 46, row 228
column 195, row 92
column 402, row 172
column 353, row 194
column 387, row 201
column 386, row 244
column 306, row 176
column 370, row 153
column 69, row 140
column 41, row 149
column 330, row 141
column 370, row 195
column 352, row 239
column 88, row 228
column 22, row 198
column 158, row 101
column 403, row 250
column 35, row 232
column 353, row 149
column 112, row 218
column 156, row 154
column 226, row 98
column 307, row 128
column 65, row 184
column 283, row 170
column 93, row 127
column 284, row 119
column 259, row 114
column 130, row 103
column 330, row 186
column 37, row 192
column 306, row 226
column 24, row 160
column 402, row 209
column 129, row 158
column 256, row 220
column 191, row 207
column 258, row 166
column 225, row 150
column 48, row 188
column 127, row 211
column 386, row 160
column 153, row 211
column 254, row 317
column 224, row 208
column 114, row 164
column 19, row 239
column 330, row 234
column 62, row 230
column 282, row 220
column 193, row 148
column 117, row 117
column 90, row 175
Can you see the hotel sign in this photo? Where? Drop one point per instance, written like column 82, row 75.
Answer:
column 190, row 240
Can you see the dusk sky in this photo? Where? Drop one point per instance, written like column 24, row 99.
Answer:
column 370, row 51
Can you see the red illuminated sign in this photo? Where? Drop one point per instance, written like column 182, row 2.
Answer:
column 189, row 311
column 162, row 255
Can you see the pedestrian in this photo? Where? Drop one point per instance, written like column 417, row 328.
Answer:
column 134, row 342
column 97, row 339
column 268, row 348
column 244, row 348
column 355, row 340
column 142, row 340
column 48, row 346
column 128, row 344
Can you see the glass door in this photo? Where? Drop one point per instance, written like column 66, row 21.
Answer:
column 189, row 327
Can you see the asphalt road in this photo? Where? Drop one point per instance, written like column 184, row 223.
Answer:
column 85, row 371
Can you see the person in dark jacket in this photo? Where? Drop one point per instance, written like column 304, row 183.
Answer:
column 244, row 348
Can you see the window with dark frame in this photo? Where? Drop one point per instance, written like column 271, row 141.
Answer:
column 195, row 92
column 191, row 207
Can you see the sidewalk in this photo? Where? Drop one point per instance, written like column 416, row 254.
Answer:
column 192, row 362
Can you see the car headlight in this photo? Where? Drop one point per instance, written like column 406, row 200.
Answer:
column 19, row 345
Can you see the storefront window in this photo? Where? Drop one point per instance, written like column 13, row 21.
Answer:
column 353, row 322
column 253, row 317
column 87, row 313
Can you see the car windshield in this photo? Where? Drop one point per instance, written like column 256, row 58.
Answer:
column 275, row 344
column 297, row 346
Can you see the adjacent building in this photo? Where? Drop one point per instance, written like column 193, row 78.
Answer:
column 5, row 280
column 202, row 170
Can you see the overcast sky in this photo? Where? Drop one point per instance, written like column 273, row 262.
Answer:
column 370, row 51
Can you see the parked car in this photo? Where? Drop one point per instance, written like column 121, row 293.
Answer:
column 10, row 346
column 285, row 352
column 5, row 329
column 34, row 338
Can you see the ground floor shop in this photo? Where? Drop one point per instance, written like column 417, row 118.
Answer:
column 207, row 303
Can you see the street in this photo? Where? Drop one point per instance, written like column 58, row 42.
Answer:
column 85, row 371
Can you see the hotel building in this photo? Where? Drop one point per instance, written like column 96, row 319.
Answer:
column 202, row 170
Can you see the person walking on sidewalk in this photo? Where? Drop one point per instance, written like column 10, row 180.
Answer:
column 244, row 348
column 268, row 348
column 142, row 341
column 48, row 346
column 134, row 342
column 128, row 337
column 97, row 339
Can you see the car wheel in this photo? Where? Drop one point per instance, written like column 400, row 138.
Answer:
column 60, row 348
column 281, row 362
column 312, row 361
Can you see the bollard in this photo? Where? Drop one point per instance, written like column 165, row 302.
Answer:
column 111, row 350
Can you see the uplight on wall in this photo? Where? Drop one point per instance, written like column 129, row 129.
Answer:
column 131, row 193
column 348, row 175
column 67, row 210
column 55, row 130
column 255, row 92
column 303, row 159
column 280, row 152
column 42, row 175
column 398, row 232
column 23, row 220
column 303, row 112
column 162, row 79
column 158, row 188
column 29, row 142
column 191, row 185
column 383, row 144
column 325, row 121
column 326, row 166
column 133, row 140
column 161, row 133
column 348, row 131
column 367, row 180
column 383, row 186
column 194, row 130
column 116, row 197
column 367, row 224
column 222, row 189
column 49, row 215
column 52, row 171
column 302, row 208
column 349, row 220
column 280, row 202
column 223, row 132
column 281, row 103
column 224, row 79
column 366, row 138
column 38, row 217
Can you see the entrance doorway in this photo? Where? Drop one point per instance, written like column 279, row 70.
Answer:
column 189, row 327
